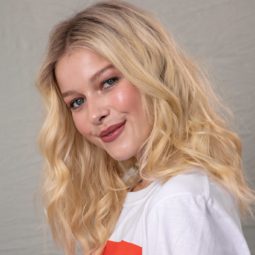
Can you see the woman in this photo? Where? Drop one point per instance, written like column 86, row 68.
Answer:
column 138, row 161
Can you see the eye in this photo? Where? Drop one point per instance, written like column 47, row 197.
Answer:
column 110, row 82
column 76, row 103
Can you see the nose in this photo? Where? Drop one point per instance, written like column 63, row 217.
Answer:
column 98, row 111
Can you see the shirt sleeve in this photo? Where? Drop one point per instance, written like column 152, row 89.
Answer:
column 187, row 224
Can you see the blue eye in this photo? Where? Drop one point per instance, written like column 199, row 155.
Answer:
column 76, row 103
column 110, row 82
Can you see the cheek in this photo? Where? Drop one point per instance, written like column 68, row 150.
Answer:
column 81, row 124
column 128, row 99
column 85, row 129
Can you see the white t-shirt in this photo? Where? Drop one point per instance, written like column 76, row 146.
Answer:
column 189, row 214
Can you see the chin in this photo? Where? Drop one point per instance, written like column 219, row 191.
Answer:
column 121, row 156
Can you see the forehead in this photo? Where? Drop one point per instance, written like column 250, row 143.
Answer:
column 78, row 58
column 79, row 65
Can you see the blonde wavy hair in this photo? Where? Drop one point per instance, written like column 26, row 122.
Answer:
column 83, row 187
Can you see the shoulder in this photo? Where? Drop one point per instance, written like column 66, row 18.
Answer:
column 191, row 182
column 195, row 187
column 193, row 212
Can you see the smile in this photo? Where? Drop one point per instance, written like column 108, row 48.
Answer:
column 113, row 134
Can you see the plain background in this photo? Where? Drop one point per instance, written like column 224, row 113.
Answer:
column 217, row 33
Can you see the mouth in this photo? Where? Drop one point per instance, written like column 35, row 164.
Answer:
column 113, row 132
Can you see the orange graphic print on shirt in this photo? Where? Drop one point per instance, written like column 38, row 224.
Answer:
column 121, row 248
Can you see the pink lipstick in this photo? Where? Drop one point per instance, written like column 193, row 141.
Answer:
column 112, row 132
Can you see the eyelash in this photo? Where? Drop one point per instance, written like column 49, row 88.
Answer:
column 110, row 82
column 113, row 79
column 71, row 105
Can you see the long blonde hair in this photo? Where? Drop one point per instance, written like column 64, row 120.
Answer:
column 84, row 188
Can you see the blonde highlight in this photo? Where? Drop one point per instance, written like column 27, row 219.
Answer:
column 83, row 196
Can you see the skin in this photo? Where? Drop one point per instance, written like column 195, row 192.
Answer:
column 100, row 96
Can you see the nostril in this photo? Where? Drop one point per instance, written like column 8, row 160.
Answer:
column 100, row 116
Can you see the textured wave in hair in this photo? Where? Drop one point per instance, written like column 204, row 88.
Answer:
column 84, row 188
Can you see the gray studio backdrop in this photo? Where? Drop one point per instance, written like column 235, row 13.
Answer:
column 218, row 33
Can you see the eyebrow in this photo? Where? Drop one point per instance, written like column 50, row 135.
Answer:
column 92, row 78
column 98, row 73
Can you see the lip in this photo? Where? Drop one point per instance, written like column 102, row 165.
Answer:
column 112, row 132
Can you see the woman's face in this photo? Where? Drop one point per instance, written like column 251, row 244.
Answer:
column 106, row 108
